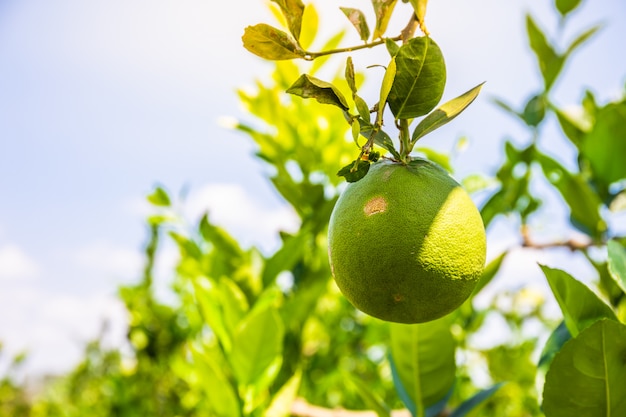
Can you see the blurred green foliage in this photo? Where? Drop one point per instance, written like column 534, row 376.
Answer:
column 248, row 333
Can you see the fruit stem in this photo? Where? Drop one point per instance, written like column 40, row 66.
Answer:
column 405, row 139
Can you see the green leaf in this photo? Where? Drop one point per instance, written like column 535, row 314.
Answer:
column 362, row 108
column 572, row 129
column 286, row 257
column 590, row 105
column 617, row 263
column 357, row 18
column 494, row 206
column 436, row 409
column 476, row 400
column 420, row 79
column 188, row 248
column 208, row 298
column 535, row 110
column 270, row 43
column 604, row 146
column 271, row 298
column 392, row 47
column 293, row 11
column 403, row 394
column 349, row 74
column 477, row 182
column 514, row 194
column 555, row 342
column 257, row 345
column 423, row 355
column 219, row 238
column 355, row 127
column 283, row 400
column 386, row 85
column 587, row 376
column 371, row 400
column 310, row 87
column 579, row 305
column 507, row 108
column 513, row 361
column 159, row 197
column 383, row 10
column 489, row 273
column 310, row 26
column 419, row 6
column 233, row 303
column 606, row 283
column 223, row 401
column 566, row 6
column 550, row 63
column 581, row 39
column 583, row 201
column 445, row 113
column 226, row 256
column 355, row 170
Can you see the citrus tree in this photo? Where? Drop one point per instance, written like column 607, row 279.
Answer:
column 394, row 332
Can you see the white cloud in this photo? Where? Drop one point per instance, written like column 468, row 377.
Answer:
column 15, row 264
column 109, row 259
column 250, row 221
column 54, row 328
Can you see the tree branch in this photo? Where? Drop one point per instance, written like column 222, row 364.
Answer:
column 301, row 408
column 310, row 56
column 408, row 32
column 571, row 244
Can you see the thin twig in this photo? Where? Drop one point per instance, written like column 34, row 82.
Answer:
column 409, row 31
column 571, row 244
column 405, row 34
column 310, row 56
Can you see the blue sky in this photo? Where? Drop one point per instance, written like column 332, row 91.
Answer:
column 101, row 100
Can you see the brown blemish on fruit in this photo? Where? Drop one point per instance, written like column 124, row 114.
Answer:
column 397, row 298
column 375, row 205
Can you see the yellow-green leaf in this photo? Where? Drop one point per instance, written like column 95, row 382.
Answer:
column 445, row 113
column 383, row 10
column 293, row 11
column 310, row 87
column 270, row 43
column 357, row 18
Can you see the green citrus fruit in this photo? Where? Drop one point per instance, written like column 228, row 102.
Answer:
column 406, row 243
